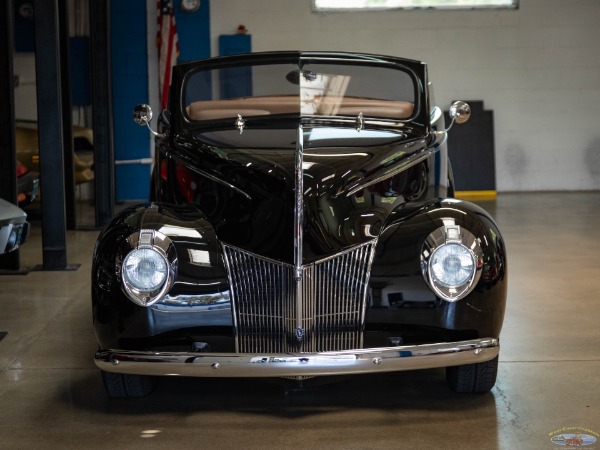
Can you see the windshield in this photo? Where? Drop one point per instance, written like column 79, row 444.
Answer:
column 314, row 89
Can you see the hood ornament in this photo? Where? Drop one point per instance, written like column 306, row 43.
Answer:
column 240, row 123
column 360, row 122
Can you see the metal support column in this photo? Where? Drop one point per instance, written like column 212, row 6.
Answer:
column 8, row 159
column 104, row 181
column 50, row 133
column 67, row 116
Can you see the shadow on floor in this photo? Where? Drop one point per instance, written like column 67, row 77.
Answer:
column 419, row 390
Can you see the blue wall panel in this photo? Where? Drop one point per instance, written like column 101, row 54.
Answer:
column 235, row 82
column 130, row 82
column 235, row 44
column 135, row 181
column 193, row 31
column 129, row 55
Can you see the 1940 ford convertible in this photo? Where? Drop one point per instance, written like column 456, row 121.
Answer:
column 302, row 224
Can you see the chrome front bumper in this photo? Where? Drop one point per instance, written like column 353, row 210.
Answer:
column 385, row 359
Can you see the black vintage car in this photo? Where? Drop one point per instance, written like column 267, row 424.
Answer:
column 302, row 224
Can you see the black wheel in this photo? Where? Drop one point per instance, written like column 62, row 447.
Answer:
column 473, row 378
column 120, row 385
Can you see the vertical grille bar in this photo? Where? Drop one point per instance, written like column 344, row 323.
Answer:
column 265, row 303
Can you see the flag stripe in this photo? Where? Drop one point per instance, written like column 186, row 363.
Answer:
column 168, row 47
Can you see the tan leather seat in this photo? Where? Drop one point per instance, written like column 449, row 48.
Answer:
column 327, row 105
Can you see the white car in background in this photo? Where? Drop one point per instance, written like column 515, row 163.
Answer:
column 14, row 227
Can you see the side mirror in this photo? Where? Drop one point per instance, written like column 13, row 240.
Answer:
column 459, row 112
column 142, row 115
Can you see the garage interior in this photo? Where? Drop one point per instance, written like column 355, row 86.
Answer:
column 535, row 67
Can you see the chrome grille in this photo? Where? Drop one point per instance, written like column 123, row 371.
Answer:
column 269, row 318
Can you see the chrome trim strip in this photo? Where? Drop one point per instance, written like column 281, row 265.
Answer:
column 370, row 360
column 217, row 298
column 299, row 229
column 364, row 305
column 228, row 264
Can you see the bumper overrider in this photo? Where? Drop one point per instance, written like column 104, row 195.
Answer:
column 370, row 360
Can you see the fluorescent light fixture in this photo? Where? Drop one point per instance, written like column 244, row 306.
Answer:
column 357, row 5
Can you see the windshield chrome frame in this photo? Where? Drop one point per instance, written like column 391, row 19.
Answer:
column 303, row 58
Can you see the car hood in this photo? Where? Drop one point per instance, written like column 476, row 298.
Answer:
column 340, row 168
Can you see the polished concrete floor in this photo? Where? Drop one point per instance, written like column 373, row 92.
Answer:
column 51, row 394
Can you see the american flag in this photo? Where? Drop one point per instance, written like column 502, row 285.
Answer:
column 168, row 47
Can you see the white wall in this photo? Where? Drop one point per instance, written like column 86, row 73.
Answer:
column 537, row 67
column 25, row 95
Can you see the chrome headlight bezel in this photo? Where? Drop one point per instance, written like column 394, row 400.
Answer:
column 164, row 248
column 451, row 235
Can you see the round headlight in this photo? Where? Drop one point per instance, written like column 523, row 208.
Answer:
column 145, row 269
column 148, row 266
column 451, row 261
column 452, row 265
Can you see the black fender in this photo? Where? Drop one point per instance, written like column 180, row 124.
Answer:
column 120, row 323
column 399, row 293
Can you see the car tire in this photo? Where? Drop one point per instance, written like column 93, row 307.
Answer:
column 473, row 378
column 120, row 385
